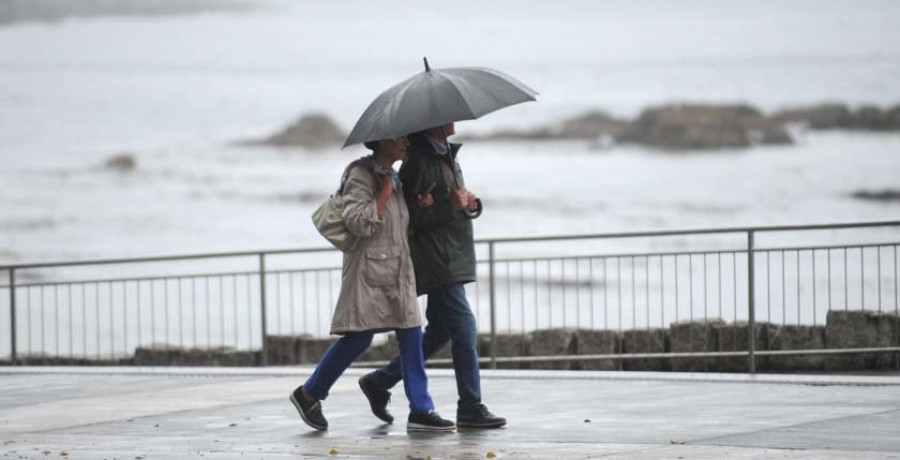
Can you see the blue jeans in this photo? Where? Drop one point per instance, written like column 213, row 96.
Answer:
column 341, row 353
column 450, row 319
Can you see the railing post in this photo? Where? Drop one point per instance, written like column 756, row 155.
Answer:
column 751, row 322
column 492, row 303
column 262, row 298
column 12, row 315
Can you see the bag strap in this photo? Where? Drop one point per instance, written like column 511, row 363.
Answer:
column 365, row 162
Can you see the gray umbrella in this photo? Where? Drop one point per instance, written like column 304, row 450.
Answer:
column 436, row 97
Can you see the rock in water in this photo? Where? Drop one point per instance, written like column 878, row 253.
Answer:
column 703, row 127
column 313, row 131
column 822, row 116
column 122, row 162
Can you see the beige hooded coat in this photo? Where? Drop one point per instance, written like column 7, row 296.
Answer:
column 378, row 286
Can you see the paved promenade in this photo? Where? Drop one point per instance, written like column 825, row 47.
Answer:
column 216, row 413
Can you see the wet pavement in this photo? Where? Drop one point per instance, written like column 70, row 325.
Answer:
column 216, row 413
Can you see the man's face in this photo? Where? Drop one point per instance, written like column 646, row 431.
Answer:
column 450, row 129
column 440, row 131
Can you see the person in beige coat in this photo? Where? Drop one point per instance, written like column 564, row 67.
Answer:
column 378, row 289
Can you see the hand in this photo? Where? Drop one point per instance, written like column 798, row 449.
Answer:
column 386, row 186
column 459, row 199
column 426, row 199
column 473, row 205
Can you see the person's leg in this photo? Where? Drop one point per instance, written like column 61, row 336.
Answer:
column 335, row 361
column 457, row 318
column 412, row 364
column 435, row 338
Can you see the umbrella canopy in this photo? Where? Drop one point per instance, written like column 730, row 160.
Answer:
column 436, row 97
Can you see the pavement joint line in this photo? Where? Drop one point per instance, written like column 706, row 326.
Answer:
column 500, row 374
column 703, row 441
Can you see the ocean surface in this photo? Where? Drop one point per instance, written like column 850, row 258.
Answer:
column 176, row 91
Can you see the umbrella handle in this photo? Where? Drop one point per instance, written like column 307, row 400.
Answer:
column 477, row 212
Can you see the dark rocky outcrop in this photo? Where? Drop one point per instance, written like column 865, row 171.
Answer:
column 56, row 10
column 821, row 116
column 703, row 127
column 314, row 131
column 883, row 195
column 123, row 162
column 839, row 116
column 588, row 126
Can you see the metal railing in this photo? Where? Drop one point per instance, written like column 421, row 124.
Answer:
column 636, row 285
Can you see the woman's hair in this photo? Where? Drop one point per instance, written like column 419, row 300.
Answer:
column 372, row 145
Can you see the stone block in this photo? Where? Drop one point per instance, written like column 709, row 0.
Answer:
column 794, row 337
column 597, row 342
column 695, row 336
column 310, row 349
column 282, row 349
column 735, row 337
column 553, row 342
column 646, row 341
column 852, row 329
column 888, row 336
column 508, row 345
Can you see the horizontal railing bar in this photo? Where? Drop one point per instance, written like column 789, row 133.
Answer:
column 503, row 260
column 168, row 258
column 677, row 232
column 627, row 356
column 685, row 253
column 699, row 231
column 618, row 255
column 823, row 248
column 170, row 277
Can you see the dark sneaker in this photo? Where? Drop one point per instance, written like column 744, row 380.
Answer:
column 378, row 398
column 428, row 421
column 310, row 411
column 479, row 417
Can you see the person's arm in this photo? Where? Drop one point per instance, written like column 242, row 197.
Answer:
column 424, row 218
column 362, row 214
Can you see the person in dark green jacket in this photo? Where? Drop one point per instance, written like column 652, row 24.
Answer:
column 441, row 245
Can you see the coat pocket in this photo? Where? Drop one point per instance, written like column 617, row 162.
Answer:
column 382, row 266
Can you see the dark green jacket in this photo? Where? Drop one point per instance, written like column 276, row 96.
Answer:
column 440, row 239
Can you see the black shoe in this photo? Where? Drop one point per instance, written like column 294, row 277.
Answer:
column 310, row 411
column 479, row 417
column 378, row 398
column 428, row 421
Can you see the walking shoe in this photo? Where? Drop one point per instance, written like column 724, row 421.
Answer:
column 378, row 398
column 478, row 417
column 428, row 421
column 310, row 411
